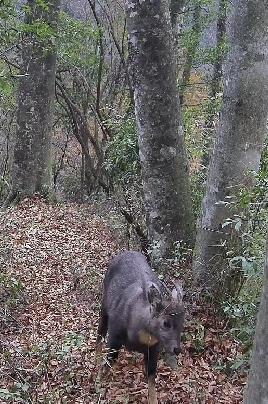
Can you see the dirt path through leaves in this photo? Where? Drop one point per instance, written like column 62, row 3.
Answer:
column 52, row 261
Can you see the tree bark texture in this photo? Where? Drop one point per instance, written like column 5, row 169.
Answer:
column 239, row 140
column 161, row 142
column 192, row 50
column 257, row 388
column 216, row 81
column 176, row 7
column 32, row 153
column 221, row 33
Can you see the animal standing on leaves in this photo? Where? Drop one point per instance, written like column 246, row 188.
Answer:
column 139, row 312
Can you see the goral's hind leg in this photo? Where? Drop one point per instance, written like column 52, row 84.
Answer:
column 101, row 333
column 114, row 346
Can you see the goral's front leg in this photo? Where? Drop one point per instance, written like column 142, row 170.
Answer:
column 150, row 362
column 152, row 396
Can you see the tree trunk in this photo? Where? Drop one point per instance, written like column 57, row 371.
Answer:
column 177, row 16
column 238, row 144
column 221, row 32
column 192, row 49
column 257, row 388
column 216, row 81
column 176, row 7
column 161, row 142
column 31, row 170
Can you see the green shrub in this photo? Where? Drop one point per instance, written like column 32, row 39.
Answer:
column 122, row 161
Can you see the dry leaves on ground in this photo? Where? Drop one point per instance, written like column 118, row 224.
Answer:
column 52, row 261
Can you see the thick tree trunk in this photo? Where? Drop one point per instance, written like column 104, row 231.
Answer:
column 161, row 142
column 239, row 141
column 32, row 153
column 257, row 388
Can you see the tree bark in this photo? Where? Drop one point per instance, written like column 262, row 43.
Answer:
column 221, row 33
column 31, row 170
column 176, row 7
column 216, row 81
column 161, row 142
column 257, row 388
column 192, row 50
column 238, row 144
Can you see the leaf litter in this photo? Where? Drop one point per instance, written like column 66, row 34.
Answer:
column 53, row 258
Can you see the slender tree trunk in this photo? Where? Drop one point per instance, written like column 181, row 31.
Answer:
column 238, row 145
column 216, row 81
column 177, row 15
column 191, row 51
column 221, row 33
column 257, row 388
column 31, row 170
column 162, row 153
column 176, row 7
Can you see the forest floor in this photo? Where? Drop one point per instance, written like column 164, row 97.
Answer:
column 52, row 262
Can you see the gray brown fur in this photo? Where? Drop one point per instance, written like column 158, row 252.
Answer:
column 138, row 311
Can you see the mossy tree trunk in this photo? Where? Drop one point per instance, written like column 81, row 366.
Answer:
column 31, row 171
column 161, row 142
column 238, row 145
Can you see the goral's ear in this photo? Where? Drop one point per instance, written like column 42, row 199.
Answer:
column 155, row 298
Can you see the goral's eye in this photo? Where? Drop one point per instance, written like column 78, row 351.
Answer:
column 167, row 324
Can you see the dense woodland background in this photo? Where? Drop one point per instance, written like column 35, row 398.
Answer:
column 136, row 125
